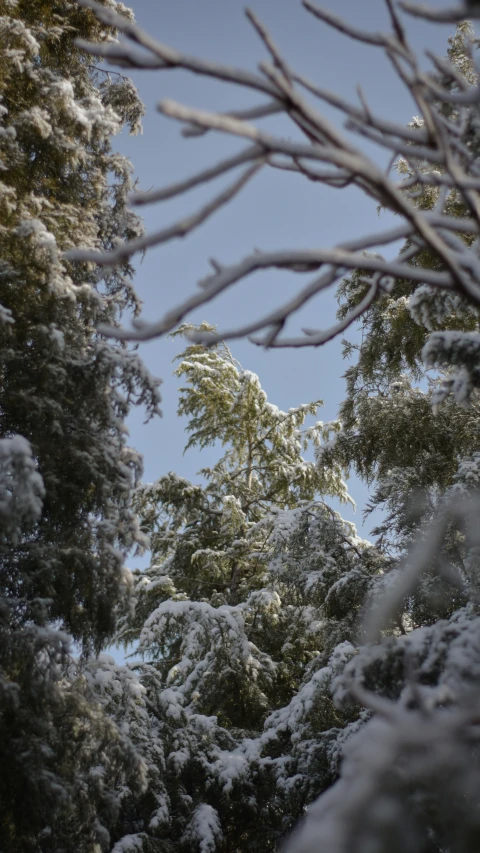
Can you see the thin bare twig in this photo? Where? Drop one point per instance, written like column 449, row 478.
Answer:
column 170, row 57
column 269, row 44
column 327, row 156
column 179, row 229
column 318, row 338
column 253, row 152
column 262, row 111
column 439, row 16
column 376, row 39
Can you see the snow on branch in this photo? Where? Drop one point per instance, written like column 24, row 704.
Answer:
column 434, row 154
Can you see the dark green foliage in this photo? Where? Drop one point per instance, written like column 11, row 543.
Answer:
column 66, row 474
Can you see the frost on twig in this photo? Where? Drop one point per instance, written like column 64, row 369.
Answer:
column 434, row 151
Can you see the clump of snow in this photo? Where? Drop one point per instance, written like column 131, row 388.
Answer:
column 204, row 829
column 21, row 486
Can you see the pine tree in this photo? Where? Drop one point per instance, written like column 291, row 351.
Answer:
column 247, row 613
column 410, row 773
column 410, row 412
column 66, row 471
column 412, row 433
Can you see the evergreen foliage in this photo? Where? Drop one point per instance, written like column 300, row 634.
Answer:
column 410, row 428
column 414, row 334
column 245, row 616
column 66, row 473
column 283, row 657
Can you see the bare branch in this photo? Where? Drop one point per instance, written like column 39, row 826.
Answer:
column 466, row 97
column 173, row 58
column 214, row 121
column 437, row 152
column 396, row 23
column 179, row 229
column 415, row 135
column 276, row 319
column 253, row 152
column 269, row 43
column 439, row 16
column 446, row 67
column 120, row 54
column 296, row 261
column 263, row 110
column 317, row 338
column 409, row 150
column 339, row 178
column 377, row 39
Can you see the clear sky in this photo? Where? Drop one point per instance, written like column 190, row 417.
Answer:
column 276, row 211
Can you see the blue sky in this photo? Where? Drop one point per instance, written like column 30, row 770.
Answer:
column 277, row 210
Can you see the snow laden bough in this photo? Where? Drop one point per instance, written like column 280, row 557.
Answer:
column 246, row 616
column 66, row 471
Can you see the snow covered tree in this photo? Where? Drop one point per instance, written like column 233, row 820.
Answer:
column 66, row 473
column 410, row 772
column 246, row 614
column 411, row 440
column 419, row 447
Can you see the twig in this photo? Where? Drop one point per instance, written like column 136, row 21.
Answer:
column 253, row 152
column 269, row 44
column 439, row 16
column 376, row 39
column 262, row 111
column 179, row 229
column 326, row 156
